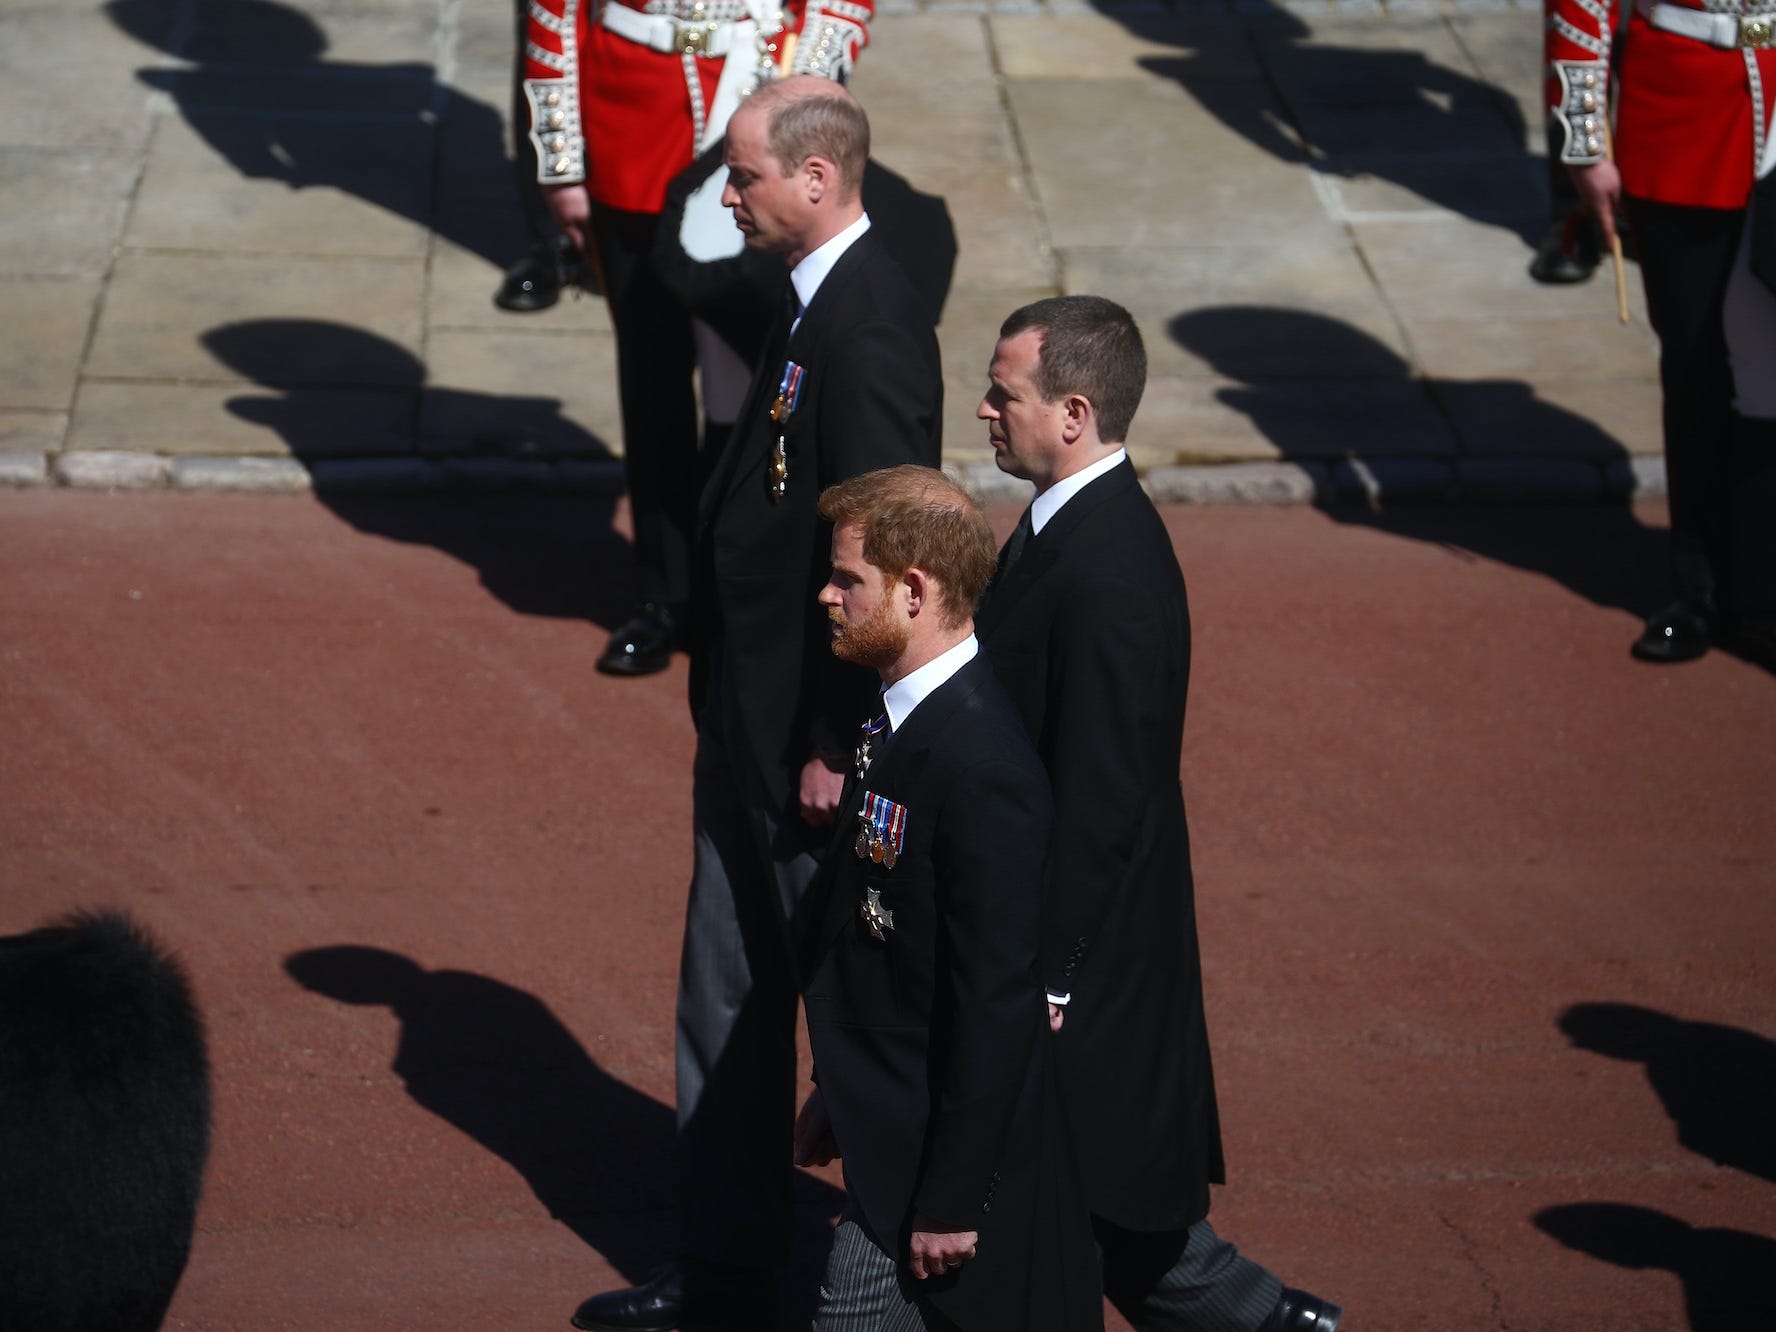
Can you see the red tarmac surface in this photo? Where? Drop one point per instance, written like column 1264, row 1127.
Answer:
column 1435, row 807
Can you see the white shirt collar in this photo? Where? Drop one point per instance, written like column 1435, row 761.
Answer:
column 1049, row 502
column 807, row 276
column 900, row 698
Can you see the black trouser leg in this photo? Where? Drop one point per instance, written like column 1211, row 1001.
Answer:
column 524, row 162
column 1686, row 258
column 1162, row 1281
column 655, row 360
column 1754, row 517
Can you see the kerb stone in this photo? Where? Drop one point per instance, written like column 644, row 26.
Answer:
column 105, row 469
column 264, row 476
column 1237, row 483
column 21, row 467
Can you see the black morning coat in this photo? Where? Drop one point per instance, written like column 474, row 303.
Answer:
column 871, row 396
column 1089, row 633
column 931, row 1044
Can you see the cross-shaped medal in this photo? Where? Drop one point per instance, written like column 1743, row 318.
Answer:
column 779, row 470
column 879, row 919
column 863, row 753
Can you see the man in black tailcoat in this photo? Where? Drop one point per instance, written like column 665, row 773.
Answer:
column 925, row 1011
column 1087, row 626
column 850, row 382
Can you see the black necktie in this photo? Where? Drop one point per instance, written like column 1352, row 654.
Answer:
column 1014, row 545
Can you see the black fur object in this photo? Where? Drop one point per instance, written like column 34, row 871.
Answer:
column 104, row 1126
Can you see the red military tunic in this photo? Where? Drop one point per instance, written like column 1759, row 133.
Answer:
column 619, row 101
column 1692, row 112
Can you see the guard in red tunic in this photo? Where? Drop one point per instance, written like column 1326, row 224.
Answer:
column 1693, row 135
column 622, row 95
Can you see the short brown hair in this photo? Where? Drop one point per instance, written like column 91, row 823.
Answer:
column 812, row 117
column 1090, row 346
column 915, row 516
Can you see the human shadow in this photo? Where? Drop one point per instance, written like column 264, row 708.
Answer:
column 339, row 395
column 493, row 1061
column 1717, row 1083
column 1398, row 116
column 1386, row 449
column 261, row 94
column 1725, row 1273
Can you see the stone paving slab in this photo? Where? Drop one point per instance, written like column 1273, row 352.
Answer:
column 1339, row 418
column 1508, row 57
column 49, row 196
column 240, row 420
column 1320, row 213
column 1623, row 410
column 160, row 308
column 948, row 135
column 493, row 404
column 262, row 184
column 46, row 329
column 25, row 433
column 1523, row 349
column 1097, row 46
column 1451, row 266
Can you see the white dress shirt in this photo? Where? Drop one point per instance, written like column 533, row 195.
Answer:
column 1046, row 505
column 807, row 276
column 900, row 698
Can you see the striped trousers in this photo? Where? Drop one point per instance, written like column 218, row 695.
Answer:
column 1190, row 1280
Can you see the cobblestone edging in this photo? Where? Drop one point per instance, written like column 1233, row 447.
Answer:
column 1381, row 481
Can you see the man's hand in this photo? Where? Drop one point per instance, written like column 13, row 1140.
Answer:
column 1056, row 1016
column 1600, row 189
column 936, row 1249
column 823, row 782
column 571, row 207
column 814, row 1142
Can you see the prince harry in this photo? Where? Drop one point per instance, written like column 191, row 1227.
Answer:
column 925, row 1012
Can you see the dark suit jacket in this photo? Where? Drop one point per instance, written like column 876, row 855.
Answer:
column 872, row 396
column 1089, row 633
column 931, row 1045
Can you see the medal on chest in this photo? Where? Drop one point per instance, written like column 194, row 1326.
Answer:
column 878, row 917
column 881, row 835
column 789, row 393
column 861, row 756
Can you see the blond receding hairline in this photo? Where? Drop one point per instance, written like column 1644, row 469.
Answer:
column 808, row 117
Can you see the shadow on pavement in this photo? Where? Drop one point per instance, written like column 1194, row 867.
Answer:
column 1717, row 1083
column 493, row 1061
column 1353, row 112
column 341, row 393
column 261, row 95
column 1362, row 408
column 1725, row 1273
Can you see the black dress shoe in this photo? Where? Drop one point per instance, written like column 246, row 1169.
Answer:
column 643, row 645
column 1570, row 252
column 697, row 1297
column 1680, row 632
column 535, row 281
column 1297, row 1311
